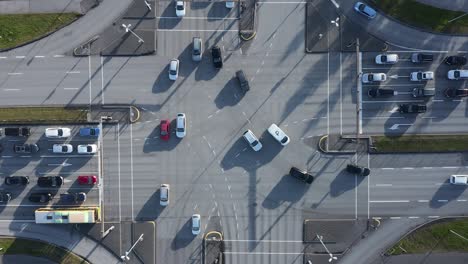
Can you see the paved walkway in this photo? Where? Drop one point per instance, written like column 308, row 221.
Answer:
column 22, row 259
column 402, row 36
column 85, row 28
column 455, row 5
column 42, row 6
column 62, row 235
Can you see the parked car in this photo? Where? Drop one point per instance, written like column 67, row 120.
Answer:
column 374, row 77
column 253, row 141
column 25, row 148
column 173, row 69
column 412, row 108
column 165, row 129
column 164, row 194
column 5, row 197
column 196, row 224
column 17, row 180
column 243, row 82
column 217, row 57
column 457, row 74
column 358, row 170
column 181, row 125
column 89, row 132
column 421, row 57
column 365, row 10
column 62, row 148
column 197, row 49
column 278, row 134
column 57, row 132
column 454, row 92
column 17, row 131
column 423, row 92
column 386, row 58
column 73, row 198
column 87, row 149
column 50, row 181
column 87, row 179
column 301, row 175
column 455, row 60
column 421, row 76
column 180, row 8
column 459, row 179
column 380, row 92
column 43, row 197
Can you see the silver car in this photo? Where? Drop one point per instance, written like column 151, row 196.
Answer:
column 253, row 141
column 181, row 125
column 197, row 49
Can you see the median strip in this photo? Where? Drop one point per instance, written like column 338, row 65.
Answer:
column 419, row 144
column 43, row 115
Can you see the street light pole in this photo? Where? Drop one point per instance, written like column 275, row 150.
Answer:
column 128, row 29
column 125, row 257
column 331, row 255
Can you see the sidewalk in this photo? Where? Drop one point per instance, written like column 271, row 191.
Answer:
column 61, row 235
column 45, row 6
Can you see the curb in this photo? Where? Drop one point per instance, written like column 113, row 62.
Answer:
column 325, row 137
column 135, row 109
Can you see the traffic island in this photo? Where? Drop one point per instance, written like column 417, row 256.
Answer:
column 247, row 19
column 419, row 144
column 213, row 248
column 44, row 115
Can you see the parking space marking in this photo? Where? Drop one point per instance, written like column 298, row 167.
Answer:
column 102, row 81
column 389, row 201
column 11, row 90
column 72, row 72
column 15, row 73
column 393, row 102
column 131, row 163
column 70, row 88
column 89, row 80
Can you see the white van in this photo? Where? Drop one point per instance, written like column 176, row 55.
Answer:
column 278, row 134
column 459, row 179
column 457, row 74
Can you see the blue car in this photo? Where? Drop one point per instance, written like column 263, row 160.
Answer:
column 365, row 10
column 89, row 132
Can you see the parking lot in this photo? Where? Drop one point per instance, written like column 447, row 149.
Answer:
column 46, row 163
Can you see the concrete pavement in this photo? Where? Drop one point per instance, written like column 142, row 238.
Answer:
column 64, row 236
column 23, row 259
column 44, row 6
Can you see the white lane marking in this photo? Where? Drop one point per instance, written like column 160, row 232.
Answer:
column 388, row 168
column 7, row 156
column 427, row 168
column 383, row 184
column 198, row 30
column 391, row 68
column 423, row 201
column 11, row 89
column 461, row 200
column 201, row 18
column 394, row 201
column 407, row 168
column 328, row 96
column 381, row 85
column 278, row 2
column 437, row 101
column 102, row 81
column 20, row 57
column 413, row 217
column 265, row 241
column 433, row 216
column 90, row 83
column 383, row 117
column 3, row 57
column 391, row 102
column 449, row 167
column 72, row 72
column 263, row 253
column 131, row 162
column 70, row 88
column 442, row 201
column 15, row 73
column 39, row 56
column 58, row 56
column 395, row 217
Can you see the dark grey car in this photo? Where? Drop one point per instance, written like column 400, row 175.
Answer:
column 243, row 83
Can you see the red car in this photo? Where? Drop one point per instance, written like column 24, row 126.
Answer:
column 87, row 179
column 165, row 129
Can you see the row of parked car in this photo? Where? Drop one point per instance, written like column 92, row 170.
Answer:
column 47, row 182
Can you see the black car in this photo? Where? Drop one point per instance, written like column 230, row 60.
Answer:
column 359, row 170
column 40, row 197
column 50, row 181
column 301, row 175
column 454, row 92
column 421, row 57
column 17, row 131
column 379, row 92
column 455, row 60
column 243, row 83
column 412, row 108
column 25, row 148
column 17, row 180
column 217, row 58
column 73, row 197
column 5, row 197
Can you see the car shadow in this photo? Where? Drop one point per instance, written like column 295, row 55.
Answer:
column 447, row 192
column 169, row 12
column 162, row 83
column 153, row 142
column 230, row 95
column 151, row 209
column 184, row 236
column 281, row 192
column 343, row 182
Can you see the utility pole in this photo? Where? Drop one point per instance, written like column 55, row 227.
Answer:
column 328, row 251
column 128, row 29
column 126, row 257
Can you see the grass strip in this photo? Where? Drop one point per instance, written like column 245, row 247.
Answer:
column 435, row 238
column 20, row 28
column 424, row 16
column 20, row 246
column 50, row 115
column 421, row 143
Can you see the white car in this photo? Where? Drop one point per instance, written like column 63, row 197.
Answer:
column 196, row 224
column 457, row 74
column 278, row 134
column 62, row 148
column 173, row 69
column 253, row 141
column 87, row 149
column 386, row 59
column 180, row 8
column 374, row 77
column 421, row 76
column 181, row 125
column 57, row 132
column 459, row 179
column 164, row 194
column 229, row 4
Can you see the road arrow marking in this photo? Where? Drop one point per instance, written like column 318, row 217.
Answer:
column 396, row 126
